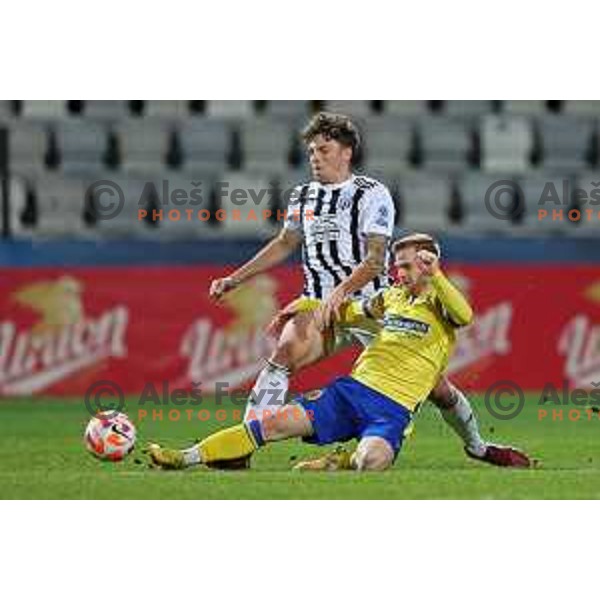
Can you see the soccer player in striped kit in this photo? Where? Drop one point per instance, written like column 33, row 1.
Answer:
column 343, row 222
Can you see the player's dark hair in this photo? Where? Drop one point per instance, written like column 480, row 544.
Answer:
column 334, row 127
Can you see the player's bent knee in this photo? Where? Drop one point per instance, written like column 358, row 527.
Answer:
column 288, row 422
column 299, row 345
column 374, row 455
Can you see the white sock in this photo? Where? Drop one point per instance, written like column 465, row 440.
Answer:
column 191, row 456
column 464, row 422
column 269, row 391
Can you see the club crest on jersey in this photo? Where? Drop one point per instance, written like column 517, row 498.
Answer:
column 405, row 325
column 382, row 216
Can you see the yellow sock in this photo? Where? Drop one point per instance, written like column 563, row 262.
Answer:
column 233, row 442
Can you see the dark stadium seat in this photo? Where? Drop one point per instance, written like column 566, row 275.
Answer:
column 44, row 110
column 290, row 110
column 180, row 193
column 405, row 108
column 136, row 194
column 425, row 201
column 82, row 146
column 531, row 108
column 351, row 108
column 28, row 145
column 266, row 144
column 170, row 110
column 56, row 206
column 205, row 144
column 583, row 108
column 539, row 189
column 506, row 143
column 245, row 182
column 565, row 141
column 467, row 109
column 473, row 188
column 230, row 109
column 106, row 110
column 388, row 143
column 446, row 143
column 144, row 144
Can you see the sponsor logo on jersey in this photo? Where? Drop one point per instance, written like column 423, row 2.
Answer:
column 405, row 325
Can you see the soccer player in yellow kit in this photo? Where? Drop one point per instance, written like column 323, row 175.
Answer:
column 392, row 376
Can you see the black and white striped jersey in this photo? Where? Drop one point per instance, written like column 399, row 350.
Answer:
column 334, row 221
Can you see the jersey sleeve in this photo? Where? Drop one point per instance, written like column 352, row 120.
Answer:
column 372, row 307
column 292, row 212
column 379, row 212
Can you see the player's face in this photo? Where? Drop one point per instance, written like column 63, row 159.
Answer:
column 329, row 160
column 405, row 271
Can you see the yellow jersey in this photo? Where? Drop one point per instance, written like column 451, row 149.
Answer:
column 414, row 345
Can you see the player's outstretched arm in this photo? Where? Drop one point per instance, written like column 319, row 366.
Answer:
column 372, row 266
column 275, row 252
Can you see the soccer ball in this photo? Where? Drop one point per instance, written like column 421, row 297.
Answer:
column 110, row 436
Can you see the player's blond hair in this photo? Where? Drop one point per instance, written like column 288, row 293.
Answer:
column 422, row 241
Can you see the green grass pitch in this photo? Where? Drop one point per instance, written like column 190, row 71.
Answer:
column 42, row 456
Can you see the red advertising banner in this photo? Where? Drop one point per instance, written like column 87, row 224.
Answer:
column 63, row 329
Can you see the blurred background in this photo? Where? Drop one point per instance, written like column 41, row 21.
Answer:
column 437, row 157
column 66, row 267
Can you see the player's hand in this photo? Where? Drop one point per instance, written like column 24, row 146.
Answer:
column 427, row 263
column 219, row 287
column 275, row 327
column 330, row 309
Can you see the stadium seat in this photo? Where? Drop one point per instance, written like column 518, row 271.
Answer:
column 266, row 145
column 585, row 181
column 530, row 108
column 473, row 189
column 135, row 192
column 286, row 182
column 446, row 143
column 82, row 146
column 6, row 111
column 106, row 110
column 566, row 142
column 388, row 144
column 144, row 145
column 178, row 193
column 537, row 189
column 406, row 108
column 468, row 109
column 230, row 109
column 28, row 145
column 60, row 206
column 350, row 108
column 246, row 183
column 205, row 145
column 44, row 109
column 167, row 109
column 584, row 108
column 290, row 110
column 17, row 218
column 506, row 143
column 425, row 201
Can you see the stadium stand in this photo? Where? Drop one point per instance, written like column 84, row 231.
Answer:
column 438, row 158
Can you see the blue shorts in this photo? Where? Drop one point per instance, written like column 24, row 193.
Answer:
column 347, row 410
